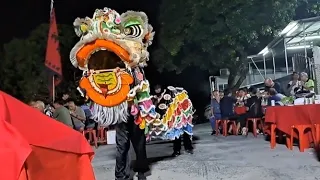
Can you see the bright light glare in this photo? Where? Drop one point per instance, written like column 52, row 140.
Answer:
column 292, row 30
column 289, row 27
column 252, row 56
column 298, row 47
column 311, row 37
column 264, row 51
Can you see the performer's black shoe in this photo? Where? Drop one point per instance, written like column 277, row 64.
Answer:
column 176, row 153
column 141, row 176
column 189, row 151
column 213, row 132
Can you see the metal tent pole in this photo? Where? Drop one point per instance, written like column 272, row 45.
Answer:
column 293, row 64
column 304, row 39
column 305, row 48
column 274, row 65
column 211, row 85
column 250, row 73
column 286, row 55
column 255, row 65
column 264, row 67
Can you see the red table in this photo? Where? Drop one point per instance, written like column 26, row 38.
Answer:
column 286, row 116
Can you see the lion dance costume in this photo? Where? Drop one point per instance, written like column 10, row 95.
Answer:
column 112, row 52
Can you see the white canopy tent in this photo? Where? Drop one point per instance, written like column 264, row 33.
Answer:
column 297, row 37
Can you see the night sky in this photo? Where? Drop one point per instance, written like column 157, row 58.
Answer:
column 19, row 17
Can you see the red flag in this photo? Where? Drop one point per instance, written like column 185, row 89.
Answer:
column 53, row 58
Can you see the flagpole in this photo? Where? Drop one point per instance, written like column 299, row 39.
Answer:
column 51, row 7
column 53, row 89
column 53, row 79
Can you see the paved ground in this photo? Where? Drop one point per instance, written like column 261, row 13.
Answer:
column 220, row 158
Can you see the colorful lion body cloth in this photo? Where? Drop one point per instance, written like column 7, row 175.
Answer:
column 111, row 53
column 175, row 114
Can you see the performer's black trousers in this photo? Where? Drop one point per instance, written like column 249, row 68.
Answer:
column 186, row 143
column 126, row 132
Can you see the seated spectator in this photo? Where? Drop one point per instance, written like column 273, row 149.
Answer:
column 39, row 105
column 61, row 113
column 259, row 93
column 269, row 83
column 273, row 97
column 89, row 123
column 242, row 96
column 32, row 103
column 65, row 98
column 221, row 94
column 215, row 110
column 281, row 96
column 307, row 83
column 227, row 105
column 294, row 84
column 227, row 111
column 78, row 116
column 254, row 108
column 48, row 110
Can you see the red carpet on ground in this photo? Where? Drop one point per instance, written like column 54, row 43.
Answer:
column 36, row 147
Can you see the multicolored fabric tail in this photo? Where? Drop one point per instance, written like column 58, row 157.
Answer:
column 175, row 114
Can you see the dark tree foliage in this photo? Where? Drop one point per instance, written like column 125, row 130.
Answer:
column 215, row 34
column 207, row 34
column 22, row 71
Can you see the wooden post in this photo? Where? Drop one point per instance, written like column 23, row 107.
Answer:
column 53, row 89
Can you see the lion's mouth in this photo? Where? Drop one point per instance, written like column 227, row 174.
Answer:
column 99, row 54
column 105, row 60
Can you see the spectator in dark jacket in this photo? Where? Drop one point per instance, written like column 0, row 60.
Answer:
column 254, row 108
column 273, row 97
column 227, row 110
column 89, row 123
column 227, row 105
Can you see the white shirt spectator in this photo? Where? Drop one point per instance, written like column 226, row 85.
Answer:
column 293, row 85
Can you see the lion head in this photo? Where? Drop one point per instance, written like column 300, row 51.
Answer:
column 110, row 46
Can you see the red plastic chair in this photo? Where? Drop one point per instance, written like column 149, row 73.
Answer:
column 92, row 136
column 219, row 122
column 224, row 124
column 225, row 127
column 254, row 122
column 301, row 136
column 102, row 136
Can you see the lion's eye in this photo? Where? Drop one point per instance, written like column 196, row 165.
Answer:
column 133, row 30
